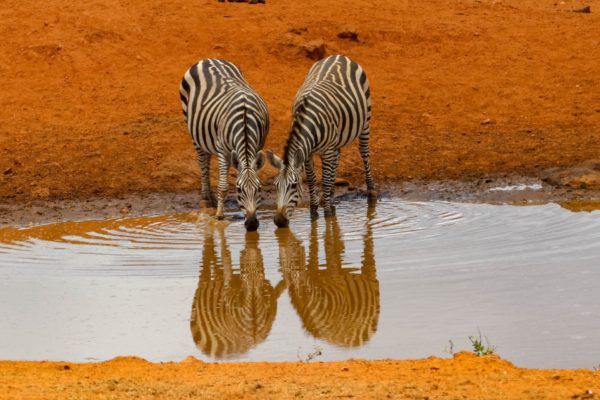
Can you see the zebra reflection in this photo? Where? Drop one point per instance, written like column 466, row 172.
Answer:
column 337, row 304
column 233, row 311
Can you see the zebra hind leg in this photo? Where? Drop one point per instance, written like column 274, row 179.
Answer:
column 363, row 147
column 330, row 161
column 223, row 185
column 206, row 198
column 309, row 167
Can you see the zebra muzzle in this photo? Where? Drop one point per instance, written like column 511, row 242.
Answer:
column 281, row 220
column 251, row 222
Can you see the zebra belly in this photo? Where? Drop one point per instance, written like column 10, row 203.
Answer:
column 337, row 144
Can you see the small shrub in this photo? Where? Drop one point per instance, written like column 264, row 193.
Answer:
column 479, row 348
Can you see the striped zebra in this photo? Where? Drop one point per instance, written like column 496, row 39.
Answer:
column 335, row 303
column 226, row 118
column 233, row 311
column 332, row 108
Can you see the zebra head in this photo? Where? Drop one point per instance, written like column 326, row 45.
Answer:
column 248, row 186
column 288, row 185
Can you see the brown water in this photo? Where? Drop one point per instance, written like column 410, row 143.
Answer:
column 396, row 281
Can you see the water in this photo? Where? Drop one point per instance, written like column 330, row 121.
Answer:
column 397, row 281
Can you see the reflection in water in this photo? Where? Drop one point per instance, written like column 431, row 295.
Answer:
column 86, row 285
column 232, row 311
column 578, row 206
column 337, row 304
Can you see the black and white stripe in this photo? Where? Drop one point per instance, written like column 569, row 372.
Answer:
column 334, row 302
column 332, row 108
column 226, row 118
column 233, row 310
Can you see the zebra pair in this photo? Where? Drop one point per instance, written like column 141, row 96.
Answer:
column 227, row 118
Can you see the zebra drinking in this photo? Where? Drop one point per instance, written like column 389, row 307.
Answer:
column 332, row 108
column 226, row 118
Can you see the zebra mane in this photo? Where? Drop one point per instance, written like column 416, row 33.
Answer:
column 246, row 133
column 297, row 119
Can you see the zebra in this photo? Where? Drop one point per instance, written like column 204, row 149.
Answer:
column 331, row 109
column 232, row 311
column 334, row 303
column 227, row 118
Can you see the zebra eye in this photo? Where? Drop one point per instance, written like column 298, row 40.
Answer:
column 294, row 185
column 239, row 189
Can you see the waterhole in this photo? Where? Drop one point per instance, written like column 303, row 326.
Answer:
column 398, row 280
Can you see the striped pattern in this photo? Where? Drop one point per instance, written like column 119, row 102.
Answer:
column 226, row 118
column 335, row 304
column 332, row 109
column 233, row 311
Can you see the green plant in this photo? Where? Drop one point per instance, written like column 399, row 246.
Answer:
column 479, row 348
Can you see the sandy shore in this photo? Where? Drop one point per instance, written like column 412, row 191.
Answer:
column 465, row 376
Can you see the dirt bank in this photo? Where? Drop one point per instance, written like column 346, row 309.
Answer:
column 463, row 377
column 461, row 90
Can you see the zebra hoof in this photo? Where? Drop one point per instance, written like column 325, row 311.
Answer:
column 314, row 215
column 221, row 217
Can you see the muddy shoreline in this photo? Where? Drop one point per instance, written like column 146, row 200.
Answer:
column 512, row 189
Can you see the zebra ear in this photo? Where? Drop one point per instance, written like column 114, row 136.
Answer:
column 234, row 159
column 260, row 160
column 274, row 160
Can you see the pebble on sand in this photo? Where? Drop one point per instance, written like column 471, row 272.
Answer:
column 584, row 9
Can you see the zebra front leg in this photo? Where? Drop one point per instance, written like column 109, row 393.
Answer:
column 309, row 167
column 363, row 147
column 206, row 197
column 223, row 185
column 334, row 175
column 329, row 161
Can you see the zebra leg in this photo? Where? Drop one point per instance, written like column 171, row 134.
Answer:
column 207, row 200
column 223, row 185
column 329, row 160
column 363, row 147
column 335, row 167
column 312, row 188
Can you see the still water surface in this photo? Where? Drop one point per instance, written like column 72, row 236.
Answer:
column 396, row 281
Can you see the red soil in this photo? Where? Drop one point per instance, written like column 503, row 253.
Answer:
column 463, row 89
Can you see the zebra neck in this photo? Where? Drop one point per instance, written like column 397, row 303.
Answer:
column 244, row 147
column 297, row 151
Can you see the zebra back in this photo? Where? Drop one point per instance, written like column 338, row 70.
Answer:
column 331, row 108
column 222, row 112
